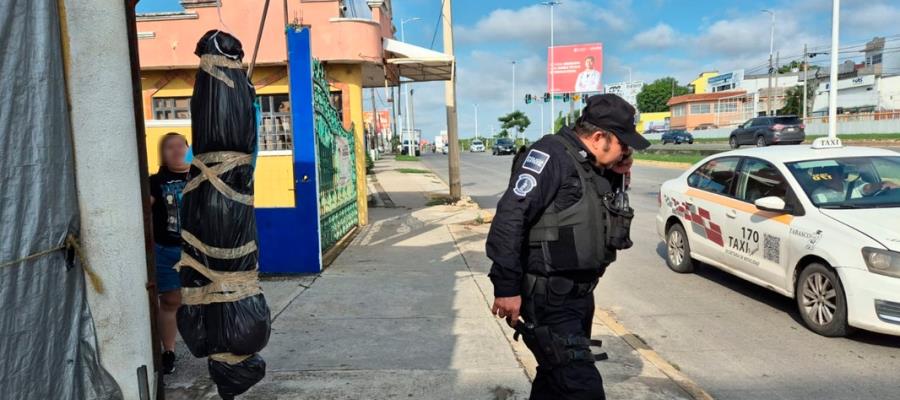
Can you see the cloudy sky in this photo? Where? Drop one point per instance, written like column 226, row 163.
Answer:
column 654, row 38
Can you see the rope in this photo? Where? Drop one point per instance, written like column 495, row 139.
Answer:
column 218, row 252
column 210, row 64
column 71, row 243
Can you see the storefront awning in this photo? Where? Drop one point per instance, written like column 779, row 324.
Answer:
column 418, row 63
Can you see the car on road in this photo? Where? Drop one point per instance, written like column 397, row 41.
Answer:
column 677, row 137
column 819, row 224
column 477, row 146
column 445, row 149
column 765, row 131
column 405, row 148
column 503, row 146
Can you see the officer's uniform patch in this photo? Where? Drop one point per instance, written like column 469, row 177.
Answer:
column 536, row 160
column 524, row 184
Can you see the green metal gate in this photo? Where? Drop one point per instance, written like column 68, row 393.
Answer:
column 338, row 213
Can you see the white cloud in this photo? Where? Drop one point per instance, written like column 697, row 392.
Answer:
column 660, row 36
column 870, row 17
column 574, row 21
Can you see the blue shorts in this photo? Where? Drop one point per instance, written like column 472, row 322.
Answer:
column 167, row 278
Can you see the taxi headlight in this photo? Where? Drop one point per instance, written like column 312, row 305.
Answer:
column 882, row 262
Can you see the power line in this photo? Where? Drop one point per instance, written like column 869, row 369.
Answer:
column 436, row 25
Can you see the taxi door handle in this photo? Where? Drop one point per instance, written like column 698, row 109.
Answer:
column 731, row 214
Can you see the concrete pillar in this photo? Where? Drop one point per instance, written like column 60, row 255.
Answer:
column 109, row 194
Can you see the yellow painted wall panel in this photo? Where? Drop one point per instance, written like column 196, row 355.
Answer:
column 274, row 177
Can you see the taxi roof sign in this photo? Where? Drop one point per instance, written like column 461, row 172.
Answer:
column 827, row 143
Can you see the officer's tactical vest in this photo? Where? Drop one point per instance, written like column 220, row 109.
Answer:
column 575, row 238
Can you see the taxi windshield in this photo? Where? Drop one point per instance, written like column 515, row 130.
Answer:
column 852, row 182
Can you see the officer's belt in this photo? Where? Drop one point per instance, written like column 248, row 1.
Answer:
column 540, row 285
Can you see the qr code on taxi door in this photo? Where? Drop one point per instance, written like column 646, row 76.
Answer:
column 772, row 248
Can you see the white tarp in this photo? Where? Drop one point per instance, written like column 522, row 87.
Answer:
column 418, row 63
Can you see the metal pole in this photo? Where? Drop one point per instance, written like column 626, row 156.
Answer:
column 476, row 120
column 833, row 79
column 551, row 4
column 262, row 24
column 408, row 124
column 450, row 99
column 771, row 70
column 542, row 118
column 805, row 79
column 513, row 86
column 412, row 117
column 777, row 88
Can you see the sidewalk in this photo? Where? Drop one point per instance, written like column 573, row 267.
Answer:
column 404, row 312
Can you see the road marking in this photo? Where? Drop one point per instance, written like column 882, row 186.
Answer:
column 680, row 379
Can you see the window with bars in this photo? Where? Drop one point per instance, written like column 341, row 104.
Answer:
column 275, row 129
column 171, row 108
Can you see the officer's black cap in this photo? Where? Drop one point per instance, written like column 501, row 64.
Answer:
column 612, row 113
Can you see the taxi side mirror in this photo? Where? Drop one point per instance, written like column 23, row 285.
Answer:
column 772, row 204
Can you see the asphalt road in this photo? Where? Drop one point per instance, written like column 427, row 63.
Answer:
column 724, row 147
column 737, row 340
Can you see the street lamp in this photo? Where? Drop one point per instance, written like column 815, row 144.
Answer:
column 771, row 68
column 476, row 119
column 551, row 4
column 513, row 86
column 409, row 126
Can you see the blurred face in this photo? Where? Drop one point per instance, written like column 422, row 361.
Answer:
column 174, row 151
column 606, row 148
column 589, row 63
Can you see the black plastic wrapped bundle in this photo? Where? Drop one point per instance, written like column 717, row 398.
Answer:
column 225, row 316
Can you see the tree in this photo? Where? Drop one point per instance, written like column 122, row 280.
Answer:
column 561, row 120
column 793, row 99
column 503, row 133
column 516, row 121
column 653, row 97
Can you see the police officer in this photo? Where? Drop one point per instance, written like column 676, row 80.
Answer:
column 549, row 242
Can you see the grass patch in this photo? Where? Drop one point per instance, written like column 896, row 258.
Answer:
column 687, row 158
column 406, row 158
column 438, row 201
column 412, row 171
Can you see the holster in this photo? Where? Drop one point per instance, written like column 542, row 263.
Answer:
column 618, row 232
column 553, row 351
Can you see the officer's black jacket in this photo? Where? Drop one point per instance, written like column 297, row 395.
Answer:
column 524, row 202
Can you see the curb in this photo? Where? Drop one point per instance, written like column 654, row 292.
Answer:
column 687, row 384
column 662, row 164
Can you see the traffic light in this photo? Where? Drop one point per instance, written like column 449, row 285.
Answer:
column 584, row 99
column 565, row 97
column 546, row 97
column 527, row 99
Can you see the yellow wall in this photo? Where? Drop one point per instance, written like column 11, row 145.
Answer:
column 273, row 178
column 700, row 84
column 646, row 118
column 351, row 74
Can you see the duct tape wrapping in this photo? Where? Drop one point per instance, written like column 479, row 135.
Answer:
column 224, row 315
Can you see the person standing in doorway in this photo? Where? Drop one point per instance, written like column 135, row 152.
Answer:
column 165, row 197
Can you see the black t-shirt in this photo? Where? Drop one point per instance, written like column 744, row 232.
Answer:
column 166, row 187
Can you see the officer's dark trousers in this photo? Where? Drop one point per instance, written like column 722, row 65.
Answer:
column 565, row 315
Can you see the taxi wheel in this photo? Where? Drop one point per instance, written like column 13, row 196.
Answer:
column 822, row 302
column 678, row 250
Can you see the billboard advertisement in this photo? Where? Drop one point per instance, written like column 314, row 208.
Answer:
column 724, row 82
column 626, row 90
column 383, row 127
column 576, row 68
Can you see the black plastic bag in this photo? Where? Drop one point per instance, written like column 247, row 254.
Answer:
column 233, row 380
column 231, row 319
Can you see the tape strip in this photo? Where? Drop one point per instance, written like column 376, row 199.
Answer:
column 218, row 252
column 229, row 358
column 225, row 287
column 227, row 160
column 210, row 64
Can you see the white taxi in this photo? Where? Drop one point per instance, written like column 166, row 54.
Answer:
column 818, row 223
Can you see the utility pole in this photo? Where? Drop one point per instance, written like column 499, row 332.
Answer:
column 833, row 79
column 375, row 140
column 400, row 114
column 542, row 118
column 412, row 117
column 777, row 88
column 805, row 79
column 513, row 86
column 551, row 4
column 771, row 69
column 450, row 99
